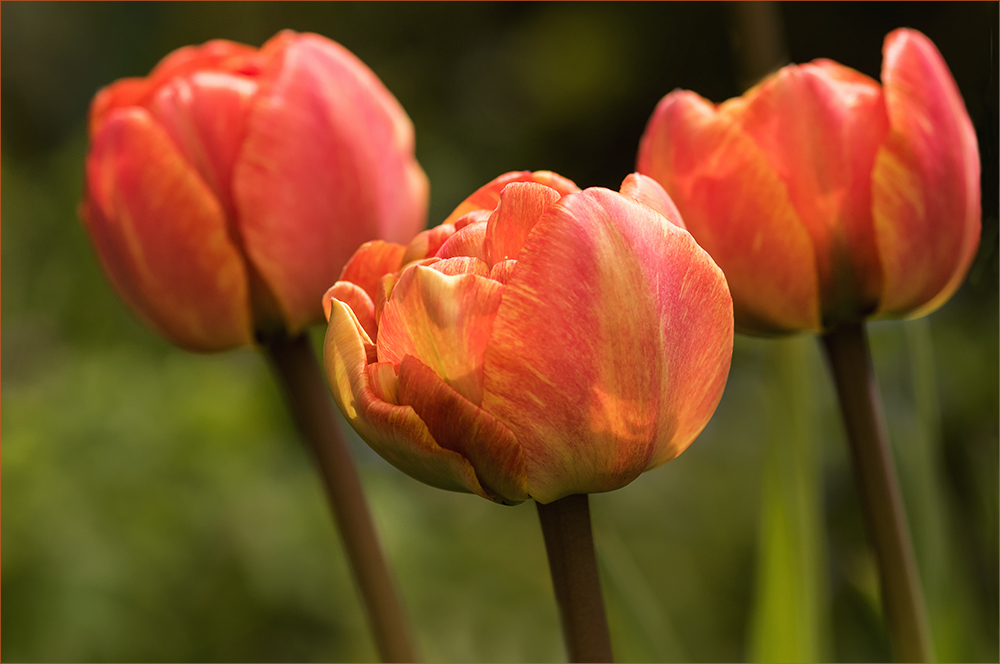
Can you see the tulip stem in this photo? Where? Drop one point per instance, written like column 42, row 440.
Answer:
column 569, row 544
column 309, row 400
column 885, row 518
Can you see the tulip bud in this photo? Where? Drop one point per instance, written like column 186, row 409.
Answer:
column 226, row 190
column 543, row 341
column 825, row 197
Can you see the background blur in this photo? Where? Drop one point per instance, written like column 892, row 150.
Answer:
column 158, row 506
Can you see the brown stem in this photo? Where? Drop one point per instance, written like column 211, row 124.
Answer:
column 308, row 398
column 569, row 544
column 885, row 518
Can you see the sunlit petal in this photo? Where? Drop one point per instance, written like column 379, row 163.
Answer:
column 581, row 373
column 442, row 320
column 395, row 432
column 926, row 180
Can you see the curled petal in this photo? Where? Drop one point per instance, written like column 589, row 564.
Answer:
column 487, row 196
column 426, row 243
column 926, row 180
column 395, row 432
column 387, row 283
column 444, row 321
column 162, row 236
column 327, row 164
column 353, row 296
column 560, row 369
column 739, row 211
column 372, row 261
column 648, row 191
column 459, row 425
column 520, row 207
column 467, row 242
column 382, row 294
column 471, row 218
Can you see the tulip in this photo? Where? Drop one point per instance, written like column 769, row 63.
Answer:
column 542, row 342
column 226, row 190
column 825, row 197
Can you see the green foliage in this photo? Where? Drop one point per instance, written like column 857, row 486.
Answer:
column 790, row 615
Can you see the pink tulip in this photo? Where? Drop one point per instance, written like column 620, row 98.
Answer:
column 825, row 197
column 544, row 341
column 227, row 189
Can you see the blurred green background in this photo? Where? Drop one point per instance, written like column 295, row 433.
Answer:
column 158, row 506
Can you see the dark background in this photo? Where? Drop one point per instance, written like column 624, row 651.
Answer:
column 157, row 505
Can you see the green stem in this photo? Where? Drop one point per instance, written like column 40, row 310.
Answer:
column 308, row 399
column 902, row 598
column 569, row 544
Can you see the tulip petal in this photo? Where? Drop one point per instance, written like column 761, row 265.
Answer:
column 467, row 242
column 819, row 127
column 926, row 180
column 162, row 236
column 388, row 282
column 487, row 196
column 472, row 218
column 444, row 321
column 738, row 210
column 503, row 270
column 216, row 55
column 648, row 191
column 327, row 165
column 372, row 261
column 396, row 433
column 357, row 299
column 383, row 381
column 520, row 207
column 459, row 425
column 126, row 92
column 578, row 365
column 383, row 293
column 696, row 335
column 426, row 243
column 205, row 115
column 461, row 265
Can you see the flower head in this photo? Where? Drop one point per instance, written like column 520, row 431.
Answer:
column 825, row 197
column 227, row 189
column 543, row 341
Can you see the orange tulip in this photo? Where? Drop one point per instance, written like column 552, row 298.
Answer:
column 543, row 341
column 825, row 197
column 227, row 189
